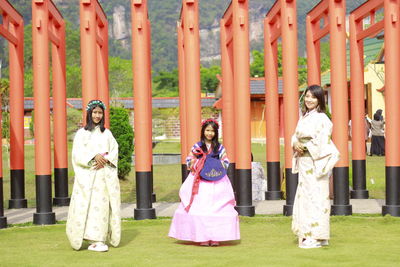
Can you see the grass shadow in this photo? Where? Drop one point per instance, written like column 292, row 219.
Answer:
column 221, row 244
column 128, row 236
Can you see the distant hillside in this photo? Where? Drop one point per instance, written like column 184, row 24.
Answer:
column 164, row 14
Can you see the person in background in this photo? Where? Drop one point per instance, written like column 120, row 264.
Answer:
column 378, row 134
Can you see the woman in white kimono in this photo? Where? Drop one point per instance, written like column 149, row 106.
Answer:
column 314, row 158
column 94, row 211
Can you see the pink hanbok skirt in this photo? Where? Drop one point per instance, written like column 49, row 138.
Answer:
column 211, row 217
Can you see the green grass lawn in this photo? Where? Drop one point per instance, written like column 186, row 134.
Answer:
column 265, row 241
column 167, row 178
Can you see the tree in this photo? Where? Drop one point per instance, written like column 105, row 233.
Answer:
column 208, row 77
column 123, row 133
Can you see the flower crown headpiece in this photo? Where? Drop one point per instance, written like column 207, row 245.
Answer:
column 95, row 103
column 210, row 120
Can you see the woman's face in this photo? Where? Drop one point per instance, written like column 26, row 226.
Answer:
column 209, row 133
column 97, row 115
column 310, row 101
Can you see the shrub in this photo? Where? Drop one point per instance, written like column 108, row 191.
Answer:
column 123, row 133
column 74, row 122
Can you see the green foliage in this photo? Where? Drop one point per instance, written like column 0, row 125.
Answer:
column 166, row 84
column 123, row 133
column 120, row 77
column 4, row 95
column 257, row 66
column 74, row 122
column 208, row 78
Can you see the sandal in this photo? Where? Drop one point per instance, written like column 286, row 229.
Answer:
column 98, row 246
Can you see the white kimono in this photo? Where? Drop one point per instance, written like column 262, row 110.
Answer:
column 311, row 209
column 94, row 212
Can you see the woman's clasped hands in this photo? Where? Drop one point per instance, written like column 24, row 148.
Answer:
column 99, row 161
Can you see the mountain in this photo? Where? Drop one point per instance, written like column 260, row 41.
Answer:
column 163, row 15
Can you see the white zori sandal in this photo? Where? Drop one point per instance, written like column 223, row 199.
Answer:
column 310, row 243
column 98, row 246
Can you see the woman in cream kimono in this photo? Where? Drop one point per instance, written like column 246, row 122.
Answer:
column 314, row 158
column 94, row 212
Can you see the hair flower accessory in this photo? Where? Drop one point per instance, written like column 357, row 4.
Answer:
column 210, row 120
column 93, row 103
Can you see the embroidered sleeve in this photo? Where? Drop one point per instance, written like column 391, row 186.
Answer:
column 191, row 156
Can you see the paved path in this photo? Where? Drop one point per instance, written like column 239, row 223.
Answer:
column 15, row 216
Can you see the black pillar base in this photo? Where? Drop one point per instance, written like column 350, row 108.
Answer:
column 393, row 210
column 61, row 187
column 184, row 172
column 341, row 210
column 392, row 204
column 143, row 214
column 231, row 175
column 291, row 187
column 44, row 218
column 359, row 180
column 341, row 194
column 17, row 203
column 144, row 209
column 61, row 201
column 17, row 184
column 244, row 192
column 153, row 197
column 249, row 211
column 3, row 222
column 359, row 194
column 273, row 195
column 273, row 181
column 287, row 210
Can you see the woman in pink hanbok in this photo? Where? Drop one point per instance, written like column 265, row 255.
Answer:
column 206, row 213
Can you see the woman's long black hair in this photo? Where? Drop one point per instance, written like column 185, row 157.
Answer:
column 90, row 125
column 318, row 92
column 214, row 142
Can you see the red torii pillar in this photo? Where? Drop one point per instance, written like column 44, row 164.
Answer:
column 182, row 102
column 392, row 99
column 357, row 36
column 281, row 21
column 3, row 219
column 48, row 25
column 13, row 30
column 190, row 67
column 143, row 109
column 237, row 21
column 228, row 101
column 94, row 55
column 334, row 14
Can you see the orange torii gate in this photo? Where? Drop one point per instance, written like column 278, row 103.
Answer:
column 236, row 64
column 189, row 78
column 94, row 55
column 357, row 35
column 281, row 21
column 391, row 27
column 13, row 30
column 48, row 25
column 141, row 62
column 333, row 14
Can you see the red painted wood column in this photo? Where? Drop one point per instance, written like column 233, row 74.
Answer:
column 241, row 74
column 272, row 106
column 142, row 124
column 392, row 100
column 88, row 30
column 41, row 85
column 340, row 111
column 191, row 40
column 59, row 111
column 16, row 57
column 228, row 103
column 290, row 94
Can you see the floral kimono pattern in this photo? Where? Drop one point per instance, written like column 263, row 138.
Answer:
column 94, row 212
column 311, row 209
